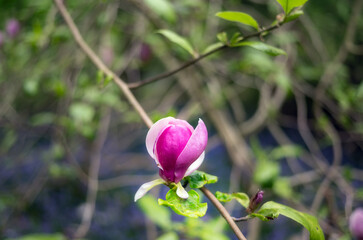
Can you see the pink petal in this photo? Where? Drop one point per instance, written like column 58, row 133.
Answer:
column 153, row 134
column 193, row 149
column 169, row 145
column 195, row 165
column 182, row 123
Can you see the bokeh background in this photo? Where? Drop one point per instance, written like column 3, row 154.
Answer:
column 70, row 143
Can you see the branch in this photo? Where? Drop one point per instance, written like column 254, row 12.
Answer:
column 95, row 161
column 195, row 60
column 100, row 65
column 224, row 213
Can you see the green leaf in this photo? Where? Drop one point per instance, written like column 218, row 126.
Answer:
column 273, row 51
column 198, row 179
column 40, row 236
column 190, row 207
column 163, row 8
column 213, row 47
column 266, row 215
column 286, row 151
column 272, row 210
column 294, row 15
column 289, row 5
column 282, row 187
column 157, row 214
column 266, row 172
column 81, row 112
column 175, row 38
column 168, row 236
column 240, row 17
column 235, row 39
column 242, row 198
column 222, row 36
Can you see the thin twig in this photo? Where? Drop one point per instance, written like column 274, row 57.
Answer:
column 223, row 212
column 241, row 219
column 100, row 65
column 195, row 60
column 95, row 161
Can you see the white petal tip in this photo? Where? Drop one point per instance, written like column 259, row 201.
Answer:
column 146, row 187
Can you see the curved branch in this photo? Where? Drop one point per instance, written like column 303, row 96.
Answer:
column 100, row 65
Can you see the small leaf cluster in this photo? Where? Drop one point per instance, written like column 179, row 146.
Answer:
column 190, row 207
column 271, row 210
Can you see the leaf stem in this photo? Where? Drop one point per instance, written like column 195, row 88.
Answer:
column 223, row 212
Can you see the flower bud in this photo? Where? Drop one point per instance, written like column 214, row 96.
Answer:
column 177, row 148
column 12, row 27
column 255, row 202
column 145, row 52
column 356, row 223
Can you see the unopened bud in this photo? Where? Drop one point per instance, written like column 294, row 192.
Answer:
column 255, row 202
column 145, row 52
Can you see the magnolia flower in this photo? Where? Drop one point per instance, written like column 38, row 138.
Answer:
column 356, row 223
column 178, row 150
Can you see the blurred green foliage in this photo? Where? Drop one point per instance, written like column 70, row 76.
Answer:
column 53, row 98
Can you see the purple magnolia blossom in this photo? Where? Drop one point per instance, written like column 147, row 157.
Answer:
column 12, row 27
column 356, row 223
column 178, row 150
column 176, row 147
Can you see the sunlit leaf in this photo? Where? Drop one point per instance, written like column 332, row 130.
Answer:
column 271, row 210
column 81, row 112
column 282, row 187
column 266, row 172
column 190, row 207
column 163, row 8
column 289, row 5
column 240, row 17
column 273, row 51
column 286, row 151
column 242, row 198
column 180, row 41
column 198, row 179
